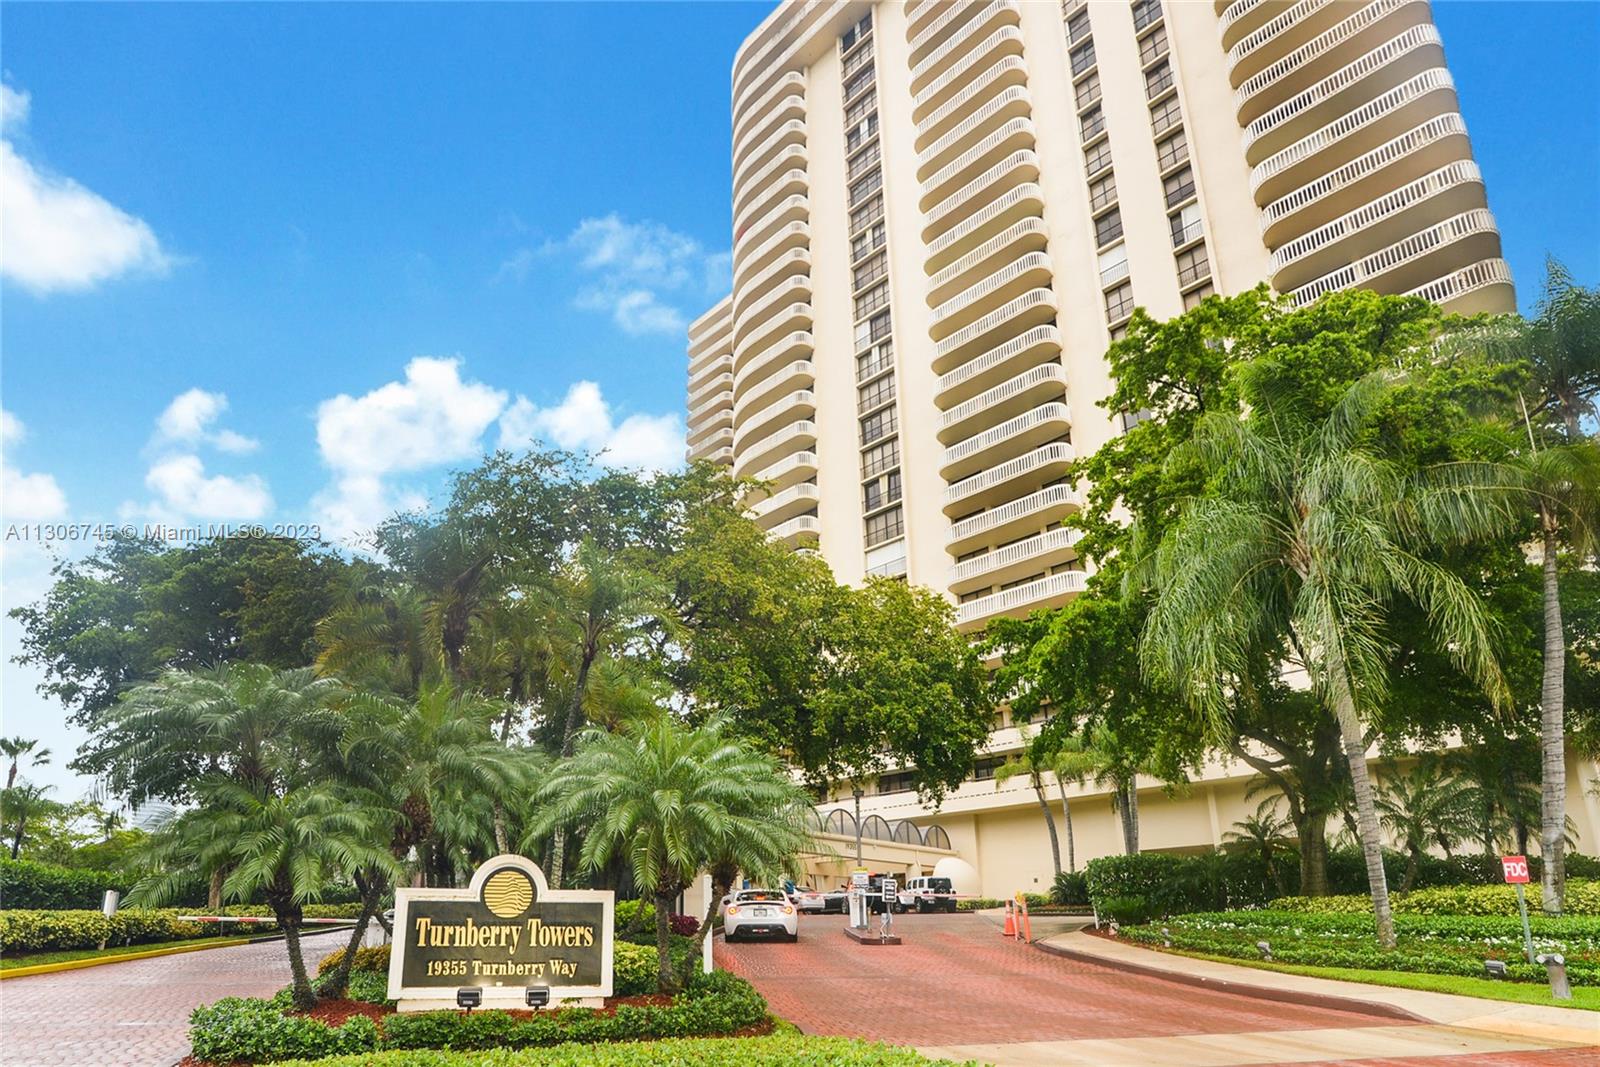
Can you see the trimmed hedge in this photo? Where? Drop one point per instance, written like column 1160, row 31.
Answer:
column 786, row 1050
column 1582, row 898
column 258, row 1031
column 25, row 884
column 1429, row 944
column 374, row 958
column 979, row 904
column 633, row 968
column 53, row 931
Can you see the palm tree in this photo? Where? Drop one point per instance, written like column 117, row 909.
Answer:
column 1422, row 808
column 379, row 636
column 1306, row 535
column 1070, row 762
column 14, row 748
column 674, row 799
column 22, row 804
column 287, row 844
column 1033, row 765
column 1102, row 758
column 1263, row 834
column 594, row 600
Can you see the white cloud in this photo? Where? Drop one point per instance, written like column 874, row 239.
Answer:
column 55, row 235
column 637, row 272
column 25, row 497
column 181, row 486
column 583, row 422
column 431, row 418
column 188, row 419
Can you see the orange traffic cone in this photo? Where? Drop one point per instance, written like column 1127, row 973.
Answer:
column 1011, row 922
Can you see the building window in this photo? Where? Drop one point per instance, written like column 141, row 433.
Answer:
column 1098, row 158
column 1118, row 333
column 1193, row 297
column 859, row 81
column 866, row 214
column 1153, row 47
column 875, row 360
column 1108, row 227
column 1193, row 265
column 871, row 270
column 1113, row 265
column 879, row 425
column 1082, row 57
column 1172, row 151
column 866, row 241
column 880, row 458
column 1119, row 303
column 855, row 34
column 1093, row 122
column 876, row 394
column 1186, row 225
column 872, row 299
column 1145, row 12
column 898, row 782
column 867, row 158
column 1102, row 191
column 881, row 491
column 885, row 527
column 866, row 187
column 1178, row 187
column 983, row 770
column 872, row 331
column 1088, row 90
column 861, row 131
column 859, row 110
column 1165, row 115
column 1078, row 27
column 1158, row 81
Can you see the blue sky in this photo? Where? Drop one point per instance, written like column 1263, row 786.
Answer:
column 298, row 216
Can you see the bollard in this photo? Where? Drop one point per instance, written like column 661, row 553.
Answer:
column 1556, row 966
column 1265, row 948
column 1166, row 937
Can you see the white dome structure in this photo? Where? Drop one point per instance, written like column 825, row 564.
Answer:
column 963, row 879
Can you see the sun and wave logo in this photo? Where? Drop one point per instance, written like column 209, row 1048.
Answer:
column 508, row 893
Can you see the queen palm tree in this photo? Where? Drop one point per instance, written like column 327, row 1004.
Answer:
column 674, row 799
column 1422, row 808
column 1070, row 762
column 285, row 842
column 1306, row 535
column 15, row 748
column 22, row 804
column 1033, row 764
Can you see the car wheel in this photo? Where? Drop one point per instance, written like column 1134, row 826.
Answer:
column 792, row 938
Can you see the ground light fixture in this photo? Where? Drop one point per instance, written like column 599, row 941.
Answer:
column 1495, row 969
column 469, row 997
column 538, row 996
column 1265, row 948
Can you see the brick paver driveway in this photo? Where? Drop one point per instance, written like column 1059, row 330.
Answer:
column 956, row 982
column 133, row 1014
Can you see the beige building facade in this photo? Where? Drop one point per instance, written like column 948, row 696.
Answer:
column 944, row 212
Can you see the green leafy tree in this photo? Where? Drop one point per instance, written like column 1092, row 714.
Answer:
column 1034, row 764
column 23, row 806
column 16, row 749
column 1307, row 535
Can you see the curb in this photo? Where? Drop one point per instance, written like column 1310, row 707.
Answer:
column 1247, row 989
column 170, row 950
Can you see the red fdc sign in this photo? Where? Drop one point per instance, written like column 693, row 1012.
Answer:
column 1515, row 867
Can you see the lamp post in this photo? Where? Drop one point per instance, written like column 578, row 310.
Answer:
column 856, row 792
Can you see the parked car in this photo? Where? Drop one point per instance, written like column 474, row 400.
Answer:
column 927, row 894
column 760, row 913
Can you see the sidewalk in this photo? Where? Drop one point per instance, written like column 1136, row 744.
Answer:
column 1534, row 1022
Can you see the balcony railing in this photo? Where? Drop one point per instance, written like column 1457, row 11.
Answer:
column 748, row 196
column 961, row 67
column 1050, row 498
column 788, row 438
column 794, row 129
column 799, row 462
column 799, row 526
column 1419, row 244
column 1011, row 66
column 1271, row 28
column 1014, row 97
column 962, row 198
column 1036, row 300
column 1182, row 235
column 979, row 20
column 1054, row 412
column 1019, row 268
column 1028, row 380
column 1468, row 279
column 1046, row 455
column 803, row 493
column 1021, row 596
column 1318, row 45
column 1044, row 544
column 1021, row 126
column 1047, row 337
column 1033, row 226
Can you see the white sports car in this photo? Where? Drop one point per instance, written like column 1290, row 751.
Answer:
column 758, row 913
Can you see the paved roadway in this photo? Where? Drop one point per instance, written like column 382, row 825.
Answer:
column 957, row 989
column 134, row 1014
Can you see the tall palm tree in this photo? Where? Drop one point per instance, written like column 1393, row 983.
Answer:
column 15, row 748
column 1033, row 765
column 1263, row 833
column 1099, row 756
column 674, row 799
column 1422, row 808
column 1070, row 762
column 22, row 804
column 1306, row 535
column 286, row 843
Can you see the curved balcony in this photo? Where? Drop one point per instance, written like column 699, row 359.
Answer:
column 722, row 457
column 797, row 530
column 1006, row 441
column 986, row 371
column 1281, row 34
column 1004, row 401
column 1029, row 271
column 790, row 83
column 1421, row 149
column 1406, row 264
column 1404, row 55
column 797, row 344
column 1354, row 134
column 1447, row 191
column 767, row 388
column 722, row 383
column 1007, row 564
column 990, row 487
column 982, row 20
column 791, row 108
column 787, row 183
column 754, row 425
column 701, row 378
column 793, row 208
column 1006, row 42
column 1010, row 73
column 1480, row 287
column 1030, row 309
column 710, row 324
column 795, row 437
column 772, row 297
column 931, row 25
column 1020, row 166
column 789, row 272
column 1321, row 55
column 766, row 52
column 1037, row 510
column 1025, row 235
column 715, row 417
column 760, row 185
column 1242, row 16
column 1048, row 592
column 1014, row 134
column 791, row 470
column 785, row 504
column 792, row 235
column 702, row 446
column 772, row 320
column 791, row 134
column 779, row 333
column 1007, row 104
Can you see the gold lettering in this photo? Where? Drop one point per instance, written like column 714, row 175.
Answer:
column 422, row 930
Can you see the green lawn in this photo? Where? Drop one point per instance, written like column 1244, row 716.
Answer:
column 34, row 959
column 1585, row 998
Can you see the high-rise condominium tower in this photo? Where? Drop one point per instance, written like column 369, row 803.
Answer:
column 943, row 212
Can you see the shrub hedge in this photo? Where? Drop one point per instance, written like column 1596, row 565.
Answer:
column 1431, row 944
column 979, row 904
column 786, row 1050
column 258, row 1031
column 1071, row 887
column 53, row 931
column 1582, row 898
column 634, row 968
column 374, row 958
column 25, row 884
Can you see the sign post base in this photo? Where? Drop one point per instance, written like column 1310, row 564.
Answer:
column 867, row 937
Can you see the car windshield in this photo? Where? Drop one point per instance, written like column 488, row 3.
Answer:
column 941, row 884
column 761, row 894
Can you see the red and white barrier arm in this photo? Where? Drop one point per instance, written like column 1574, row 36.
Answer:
column 252, row 919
